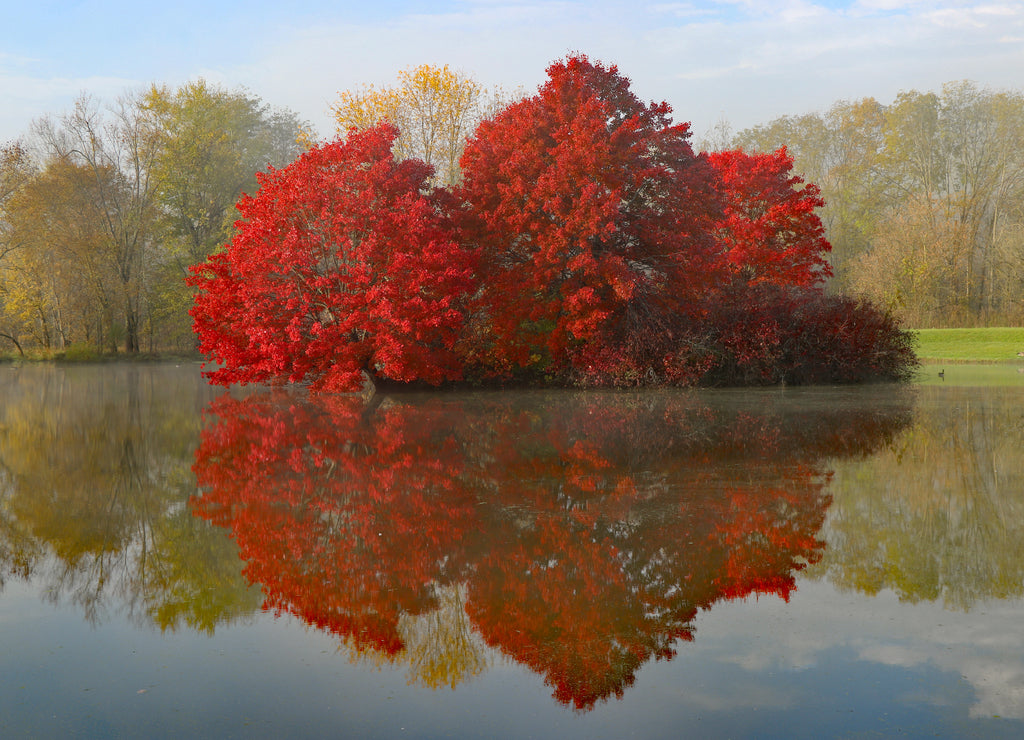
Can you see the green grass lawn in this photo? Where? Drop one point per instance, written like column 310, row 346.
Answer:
column 970, row 345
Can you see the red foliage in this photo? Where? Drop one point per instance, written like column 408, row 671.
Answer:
column 319, row 498
column 342, row 265
column 776, row 335
column 586, row 245
column 771, row 232
column 587, row 532
column 594, row 219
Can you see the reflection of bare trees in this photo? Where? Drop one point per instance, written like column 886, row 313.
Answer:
column 95, row 479
column 441, row 646
column 940, row 514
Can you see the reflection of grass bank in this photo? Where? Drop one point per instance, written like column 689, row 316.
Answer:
column 970, row 345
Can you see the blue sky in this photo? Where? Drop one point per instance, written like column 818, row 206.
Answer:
column 744, row 61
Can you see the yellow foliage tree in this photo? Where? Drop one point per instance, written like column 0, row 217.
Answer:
column 15, row 170
column 435, row 108
column 59, row 286
column 917, row 266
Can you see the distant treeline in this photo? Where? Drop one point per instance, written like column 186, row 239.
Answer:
column 103, row 209
column 924, row 198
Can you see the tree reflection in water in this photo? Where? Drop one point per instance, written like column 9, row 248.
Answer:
column 939, row 516
column 578, row 534
column 94, row 485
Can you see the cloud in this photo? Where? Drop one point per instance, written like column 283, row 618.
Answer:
column 978, row 17
column 743, row 60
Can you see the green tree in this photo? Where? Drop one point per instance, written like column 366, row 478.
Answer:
column 208, row 144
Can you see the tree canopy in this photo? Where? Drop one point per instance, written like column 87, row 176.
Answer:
column 341, row 264
column 593, row 219
column 586, row 244
column 104, row 207
column 434, row 108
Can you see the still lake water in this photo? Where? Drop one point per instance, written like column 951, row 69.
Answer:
column 795, row 563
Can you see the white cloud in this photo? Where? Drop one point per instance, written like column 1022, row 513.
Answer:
column 888, row 5
column 747, row 61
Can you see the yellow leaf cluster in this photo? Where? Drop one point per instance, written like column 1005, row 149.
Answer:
column 434, row 108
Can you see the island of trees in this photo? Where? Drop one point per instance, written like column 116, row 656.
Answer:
column 574, row 236
column 581, row 242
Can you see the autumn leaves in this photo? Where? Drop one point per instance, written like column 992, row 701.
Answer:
column 341, row 264
column 583, row 242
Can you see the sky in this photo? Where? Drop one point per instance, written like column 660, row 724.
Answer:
column 738, row 61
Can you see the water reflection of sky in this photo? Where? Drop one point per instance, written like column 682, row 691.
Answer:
column 893, row 629
column 984, row 648
column 823, row 665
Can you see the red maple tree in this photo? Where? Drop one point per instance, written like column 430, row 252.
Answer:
column 343, row 264
column 594, row 220
column 769, row 320
column 770, row 231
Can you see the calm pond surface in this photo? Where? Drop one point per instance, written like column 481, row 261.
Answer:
column 795, row 563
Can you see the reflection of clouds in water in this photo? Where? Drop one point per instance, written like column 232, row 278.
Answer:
column 799, row 658
column 984, row 647
column 897, row 655
column 744, row 694
column 999, row 682
column 788, row 648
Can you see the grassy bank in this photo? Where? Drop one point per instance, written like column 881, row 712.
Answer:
column 77, row 354
column 970, row 345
